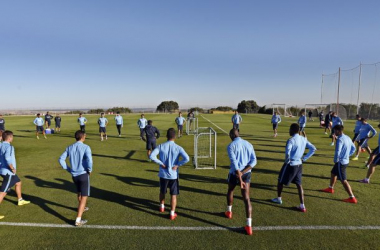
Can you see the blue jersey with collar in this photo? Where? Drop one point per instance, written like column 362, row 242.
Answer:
column 82, row 121
column 80, row 158
column 241, row 154
column 302, row 121
column 276, row 119
column 7, row 157
column 38, row 121
column 102, row 121
column 119, row 120
column 365, row 131
column 180, row 120
column 236, row 119
column 295, row 148
column 344, row 149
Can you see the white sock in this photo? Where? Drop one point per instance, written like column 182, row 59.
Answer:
column 353, row 196
column 331, row 187
column 302, row 206
column 279, row 198
column 249, row 222
column 229, row 208
column 162, row 205
column 20, row 199
column 366, row 179
column 78, row 219
column 172, row 212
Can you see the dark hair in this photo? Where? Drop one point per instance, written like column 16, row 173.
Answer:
column 294, row 128
column 357, row 116
column 80, row 113
column 234, row 133
column 79, row 135
column 6, row 134
column 338, row 128
column 170, row 135
column 117, row 112
column 102, row 113
column 150, row 122
column 38, row 114
column 378, row 125
column 363, row 120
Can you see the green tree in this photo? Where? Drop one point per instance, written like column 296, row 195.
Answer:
column 95, row 111
column 167, row 106
column 200, row 110
column 122, row 110
column 249, row 106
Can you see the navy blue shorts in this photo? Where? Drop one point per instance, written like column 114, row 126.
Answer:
column 327, row 124
column 290, row 174
column 363, row 143
column 39, row 128
column 150, row 145
column 58, row 125
column 8, row 182
column 102, row 130
column 376, row 151
column 302, row 129
column 82, row 183
column 173, row 185
column 355, row 138
column 234, row 180
column 49, row 123
column 180, row 127
column 236, row 126
column 275, row 126
column 376, row 161
column 340, row 171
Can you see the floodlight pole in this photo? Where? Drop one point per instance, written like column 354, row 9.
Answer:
column 360, row 83
column 337, row 99
column 322, row 90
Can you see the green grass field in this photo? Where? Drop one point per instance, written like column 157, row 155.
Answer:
column 124, row 191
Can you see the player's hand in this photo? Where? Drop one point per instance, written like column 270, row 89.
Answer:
column 163, row 166
column 242, row 185
column 14, row 170
column 89, row 173
column 175, row 168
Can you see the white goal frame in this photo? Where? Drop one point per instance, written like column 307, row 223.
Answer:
column 275, row 107
column 191, row 129
column 210, row 135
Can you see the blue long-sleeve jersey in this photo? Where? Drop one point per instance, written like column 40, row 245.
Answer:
column 236, row 119
column 7, row 157
column 344, row 149
column 119, row 120
column 336, row 120
column 38, row 121
column 365, row 131
column 80, row 158
column 276, row 119
column 82, row 121
column 295, row 148
column 241, row 154
column 358, row 125
column 302, row 121
column 170, row 154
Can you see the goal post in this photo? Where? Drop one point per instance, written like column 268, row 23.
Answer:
column 326, row 108
column 281, row 109
column 205, row 148
column 191, row 125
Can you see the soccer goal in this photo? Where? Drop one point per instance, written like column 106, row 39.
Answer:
column 281, row 109
column 317, row 108
column 205, row 148
column 191, row 125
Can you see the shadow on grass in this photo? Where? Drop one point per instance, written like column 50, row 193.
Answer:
column 127, row 157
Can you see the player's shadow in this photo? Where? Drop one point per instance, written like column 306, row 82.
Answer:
column 269, row 151
column 127, row 157
column 25, row 130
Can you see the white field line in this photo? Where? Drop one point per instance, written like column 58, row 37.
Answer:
column 259, row 228
column 214, row 124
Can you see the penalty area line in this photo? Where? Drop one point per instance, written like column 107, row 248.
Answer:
column 214, row 124
column 157, row 228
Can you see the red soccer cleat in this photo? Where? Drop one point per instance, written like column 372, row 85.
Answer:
column 351, row 200
column 328, row 190
column 162, row 209
column 248, row 230
column 303, row 210
column 228, row 214
column 172, row 217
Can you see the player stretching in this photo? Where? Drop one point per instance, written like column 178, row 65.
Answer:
column 2, row 123
column 336, row 120
column 243, row 159
column 152, row 133
column 80, row 168
column 310, row 115
column 142, row 122
column 180, row 120
column 364, row 135
column 236, row 120
column 103, row 122
column 190, row 118
column 327, row 122
column 358, row 125
column 48, row 118
column 291, row 171
column 119, row 122
column 8, row 169
column 276, row 119
column 169, row 162
column 374, row 160
column 302, row 124
column 57, row 120
column 39, row 122
column 343, row 150
column 82, row 122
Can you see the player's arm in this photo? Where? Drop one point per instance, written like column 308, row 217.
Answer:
column 185, row 159
column 62, row 161
column 279, row 119
column 9, row 157
column 312, row 150
column 252, row 162
column 106, row 122
column 338, row 151
column 88, row 156
column 153, row 157
column 352, row 149
column 288, row 149
column 373, row 132
column 35, row 121
column 158, row 133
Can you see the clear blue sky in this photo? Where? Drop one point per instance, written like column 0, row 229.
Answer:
column 207, row 53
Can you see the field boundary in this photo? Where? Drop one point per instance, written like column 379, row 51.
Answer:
column 214, row 124
column 175, row 228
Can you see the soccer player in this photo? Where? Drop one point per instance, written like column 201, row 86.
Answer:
column 80, row 168
column 180, row 120
column 243, row 159
column 169, row 163
column 366, row 132
column 190, row 118
column 302, row 124
column 236, row 120
column 2, row 123
column 310, row 115
column 57, row 120
column 291, row 171
column 82, row 122
column 276, row 119
column 152, row 133
column 327, row 122
column 39, row 122
column 358, row 125
column 119, row 122
column 103, row 122
column 8, row 169
column 343, row 150
column 48, row 118
column 320, row 115
column 336, row 120
column 374, row 160
column 142, row 122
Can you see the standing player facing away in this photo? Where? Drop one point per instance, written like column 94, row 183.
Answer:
column 366, row 132
column 310, row 115
column 243, row 159
column 39, row 122
column 374, row 160
column 8, row 169
column 343, row 150
column 190, row 118
column 169, row 162
column 276, row 119
column 82, row 122
column 236, row 120
column 119, row 123
column 180, row 120
column 302, row 123
column 48, row 118
column 321, row 115
column 103, row 122
column 80, row 168
column 57, row 120
column 291, row 171
column 336, row 120
column 2, row 123
column 327, row 122
column 358, row 125
column 142, row 122
column 152, row 134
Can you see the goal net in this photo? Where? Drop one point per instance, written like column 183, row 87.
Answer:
column 281, row 109
column 205, row 148
column 191, row 125
column 316, row 109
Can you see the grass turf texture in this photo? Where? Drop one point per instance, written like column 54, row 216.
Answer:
column 124, row 191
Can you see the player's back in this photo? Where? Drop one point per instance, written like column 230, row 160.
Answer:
column 295, row 148
column 79, row 160
column 242, row 150
column 151, row 132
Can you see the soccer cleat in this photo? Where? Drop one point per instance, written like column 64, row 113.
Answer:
column 106, row 138
column 328, row 190
column 277, row 200
column 364, row 181
column 355, row 158
column 228, row 214
column 351, row 200
column 303, row 210
column 248, row 230
column 172, row 217
column 80, row 223
column 86, row 209
column 162, row 209
column 23, row 202
column 325, row 133
column 2, row 217
column 119, row 135
column 45, row 137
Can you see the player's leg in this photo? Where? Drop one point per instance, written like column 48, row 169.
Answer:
column 82, row 183
column 297, row 179
column 283, row 179
column 247, row 202
column 43, row 132
column 343, row 178
column 371, row 169
column 232, row 182
column 163, row 190
column 174, row 191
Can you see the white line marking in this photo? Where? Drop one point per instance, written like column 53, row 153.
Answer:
column 259, row 228
column 214, row 124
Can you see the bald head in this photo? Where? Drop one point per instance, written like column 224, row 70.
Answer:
column 234, row 133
